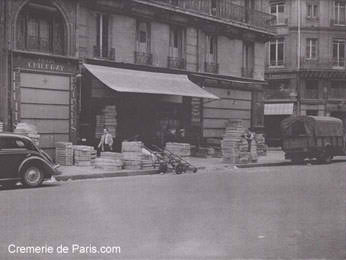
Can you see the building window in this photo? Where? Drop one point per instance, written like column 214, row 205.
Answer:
column 312, row 10
column 311, row 89
column 40, row 27
column 276, row 52
column 311, row 49
column 248, row 59
column 338, row 53
column 143, row 50
column 211, row 54
column 176, row 48
column 278, row 9
column 102, row 36
column 340, row 10
column 338, row 89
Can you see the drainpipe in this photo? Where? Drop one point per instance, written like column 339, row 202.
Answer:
column 298, row 58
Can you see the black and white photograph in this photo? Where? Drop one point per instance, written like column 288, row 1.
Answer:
column 172, row 129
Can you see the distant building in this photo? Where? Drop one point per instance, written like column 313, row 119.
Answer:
column 305, row 66
column 140, row 67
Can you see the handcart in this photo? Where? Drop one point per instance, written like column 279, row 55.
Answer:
column 166, row 160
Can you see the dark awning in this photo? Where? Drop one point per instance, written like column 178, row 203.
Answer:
column 135, row 81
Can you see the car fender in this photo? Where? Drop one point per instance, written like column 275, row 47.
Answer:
column 47, row 167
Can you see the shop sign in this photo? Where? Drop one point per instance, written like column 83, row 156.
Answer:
column 196, row 110
column 45, row 64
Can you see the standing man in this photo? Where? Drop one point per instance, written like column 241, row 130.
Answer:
column 106, row 141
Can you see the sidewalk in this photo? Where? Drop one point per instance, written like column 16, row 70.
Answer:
column 273, row 158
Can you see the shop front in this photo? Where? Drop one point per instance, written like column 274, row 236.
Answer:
column 138, row 105
column 44, row 94
column 274, row 113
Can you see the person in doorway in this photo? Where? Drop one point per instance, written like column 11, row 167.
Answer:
column 106, row 142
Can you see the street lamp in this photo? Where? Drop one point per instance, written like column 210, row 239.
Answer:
column 325, row 99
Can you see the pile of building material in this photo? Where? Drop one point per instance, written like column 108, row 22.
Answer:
column 133, row 156
column 83, row 155
column 231, row 141
column 180, row 149
column 109, row 161
column 107, row 119
column 1, row 126
column 64, row 153
column 29, row 130
column 261, row 146
column 235, row 146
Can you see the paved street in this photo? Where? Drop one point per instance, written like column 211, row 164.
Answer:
column 275, row 212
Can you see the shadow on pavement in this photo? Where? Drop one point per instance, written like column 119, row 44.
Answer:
column 22, row 187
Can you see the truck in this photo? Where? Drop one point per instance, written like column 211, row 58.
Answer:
column 312, row 137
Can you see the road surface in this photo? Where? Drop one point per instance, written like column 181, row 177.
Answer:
column 275, row 212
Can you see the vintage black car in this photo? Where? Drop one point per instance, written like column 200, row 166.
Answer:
column 21, row 160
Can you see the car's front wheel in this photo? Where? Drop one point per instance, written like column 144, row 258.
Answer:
column 32, row 176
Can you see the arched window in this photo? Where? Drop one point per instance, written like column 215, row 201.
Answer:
column 40, row 27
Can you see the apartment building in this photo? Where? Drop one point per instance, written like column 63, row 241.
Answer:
column 141, row 67
column 305, row 65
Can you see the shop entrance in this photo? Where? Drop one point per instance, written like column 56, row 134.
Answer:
column 149, row 119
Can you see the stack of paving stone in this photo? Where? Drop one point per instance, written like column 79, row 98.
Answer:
column 82, row 155
column 148, row 160
column 64, row 153
column 1, row 126
column 180, row 149
column 109, row 161
column 133, row 156
column 261, row 146
column 233, row 143
column 28, row 130
column 100, row 124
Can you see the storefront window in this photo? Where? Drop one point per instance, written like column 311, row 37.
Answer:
column 338, row 89
column 40, row 27
column 311, row 89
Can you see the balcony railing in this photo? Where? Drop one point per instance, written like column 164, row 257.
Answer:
column 225, row 10
column 211, row 67
column 176, row 63
column 337, row 22
column 108, row 54
column 143, row 58
column 322, row 63
column 247, row 72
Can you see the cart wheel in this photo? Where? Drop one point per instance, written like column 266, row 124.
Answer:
column 179, row 169
column 163, row 167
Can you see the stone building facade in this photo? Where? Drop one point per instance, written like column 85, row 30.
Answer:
column 305, row 65
column 56, row 55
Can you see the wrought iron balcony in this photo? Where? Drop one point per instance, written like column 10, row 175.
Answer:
column 247, row 72
column 176, row 63
column 143, row 58
column 104, row 54
column 211, row 67
column 225, row 10
column 323, row 63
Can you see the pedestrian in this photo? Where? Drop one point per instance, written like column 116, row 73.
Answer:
column 249, row 136
column 106, row 142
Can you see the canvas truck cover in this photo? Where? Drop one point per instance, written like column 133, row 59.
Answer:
column 312, row 126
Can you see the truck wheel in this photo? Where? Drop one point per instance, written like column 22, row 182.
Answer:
column 325, row 157
column 32, row 176
column 296, row 159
